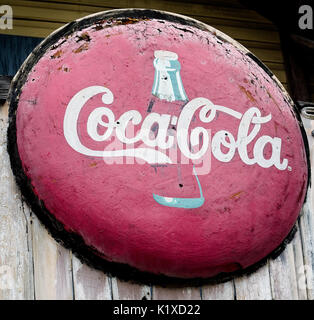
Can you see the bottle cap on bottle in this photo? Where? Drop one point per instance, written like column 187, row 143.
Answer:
column 167, row 55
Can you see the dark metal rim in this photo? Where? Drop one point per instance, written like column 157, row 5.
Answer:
column 74, row 241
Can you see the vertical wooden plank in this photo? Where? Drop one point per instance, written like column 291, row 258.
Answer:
column 89, row 283
column 283, row 276
column 299, row 264
column 307, row 219
column 255, row 286
column 222, row 291
column 123, row 290
column 187, row 293
column 307, row 227
column 16, row 273
column 52, row 266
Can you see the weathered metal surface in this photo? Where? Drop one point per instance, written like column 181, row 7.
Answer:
column 220, row 199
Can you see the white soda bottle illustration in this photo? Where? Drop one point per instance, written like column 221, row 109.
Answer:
column 169, row 97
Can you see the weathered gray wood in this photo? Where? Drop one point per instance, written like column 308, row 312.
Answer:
column 90, row 284
column 255, row 286
column 222, row 291
column 307, row 219
column 283, row 276
column 123, row 290
column 52, row 266
column 160, row 293
column 16, row 273
column 299, row 264
column 307, row 227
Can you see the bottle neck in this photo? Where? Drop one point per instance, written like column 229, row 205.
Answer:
column 167, row 81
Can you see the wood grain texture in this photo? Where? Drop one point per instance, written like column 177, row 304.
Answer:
column 299, row 264
column 283, row 276
column 255, row 286
column 52, row 266
column 122, row 290
column 222, row 291
column 16, row 272
column 90, row 284
column 307, row 220
column 188, row 293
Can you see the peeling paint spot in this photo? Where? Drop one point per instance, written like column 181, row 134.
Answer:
column 58, row 45
column 83, row 37
column 98, row 27
column 182, row 29
column 57, row 54
column 83, row 47
column 65, row 69
column 116, row 22
column 33, row 102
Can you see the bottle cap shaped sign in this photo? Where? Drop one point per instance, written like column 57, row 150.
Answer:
column 157, row 147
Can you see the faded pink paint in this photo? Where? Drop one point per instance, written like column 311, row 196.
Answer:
column 248, row 210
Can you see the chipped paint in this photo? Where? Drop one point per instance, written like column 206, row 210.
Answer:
column 57, row 54
column 81, row 48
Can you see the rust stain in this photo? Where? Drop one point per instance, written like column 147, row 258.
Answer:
column 81, row 48
column 93, row 164
column 247, row 93
column 236, row 195
column 271, row 97
column 57, row 54
column 65, row 69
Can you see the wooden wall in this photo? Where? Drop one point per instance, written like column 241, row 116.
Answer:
column 39, row 18
column 42, row 269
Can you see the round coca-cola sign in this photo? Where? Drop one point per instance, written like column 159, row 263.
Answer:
column 155, row 146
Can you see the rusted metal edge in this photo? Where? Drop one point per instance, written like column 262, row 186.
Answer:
column 73, row 241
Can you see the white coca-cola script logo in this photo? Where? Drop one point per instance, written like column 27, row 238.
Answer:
column 188, row 141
